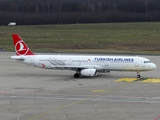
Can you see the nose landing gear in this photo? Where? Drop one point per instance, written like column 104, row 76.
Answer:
column 138, row 74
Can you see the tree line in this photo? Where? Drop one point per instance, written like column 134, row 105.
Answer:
column 30, row 12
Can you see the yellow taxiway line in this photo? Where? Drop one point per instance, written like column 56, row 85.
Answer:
column 149, row 80
column 153, row 80
column 60, row 108
column 97, row 91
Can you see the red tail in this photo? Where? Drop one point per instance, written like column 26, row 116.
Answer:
column 20, row 47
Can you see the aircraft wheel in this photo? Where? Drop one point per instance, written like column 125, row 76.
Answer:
column 76, row 75
column 138, row 76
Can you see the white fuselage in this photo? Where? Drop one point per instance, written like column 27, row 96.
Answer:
column 100, row 63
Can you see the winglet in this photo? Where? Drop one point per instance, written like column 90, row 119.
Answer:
column 20, row 47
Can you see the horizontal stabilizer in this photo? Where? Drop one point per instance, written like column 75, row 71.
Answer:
column 18, row 57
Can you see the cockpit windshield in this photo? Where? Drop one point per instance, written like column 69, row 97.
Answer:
column 147, row 61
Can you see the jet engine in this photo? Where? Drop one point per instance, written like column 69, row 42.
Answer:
column 89, row 72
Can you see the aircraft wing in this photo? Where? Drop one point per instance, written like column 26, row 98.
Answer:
column 76, row 67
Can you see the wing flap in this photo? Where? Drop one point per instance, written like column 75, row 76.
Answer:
column 75, row 67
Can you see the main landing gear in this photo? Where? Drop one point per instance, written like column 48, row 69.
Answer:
column 138, row 74
column 76, row 75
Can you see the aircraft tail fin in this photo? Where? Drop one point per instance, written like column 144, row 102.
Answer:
column 20, row 47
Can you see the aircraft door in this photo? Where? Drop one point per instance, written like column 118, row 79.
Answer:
column 137, row 62
column 106, row 63
column 32, row 60
column 70, row 61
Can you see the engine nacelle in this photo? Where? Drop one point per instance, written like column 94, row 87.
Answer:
column 89, row 72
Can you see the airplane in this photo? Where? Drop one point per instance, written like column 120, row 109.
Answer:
column 83, row 65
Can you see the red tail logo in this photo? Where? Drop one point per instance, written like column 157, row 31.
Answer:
column 20, row 47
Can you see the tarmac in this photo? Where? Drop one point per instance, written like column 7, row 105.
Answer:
column 30, row 93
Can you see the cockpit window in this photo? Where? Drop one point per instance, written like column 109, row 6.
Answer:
column 147, row 61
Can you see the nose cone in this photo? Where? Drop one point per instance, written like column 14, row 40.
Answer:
column 153, row 66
